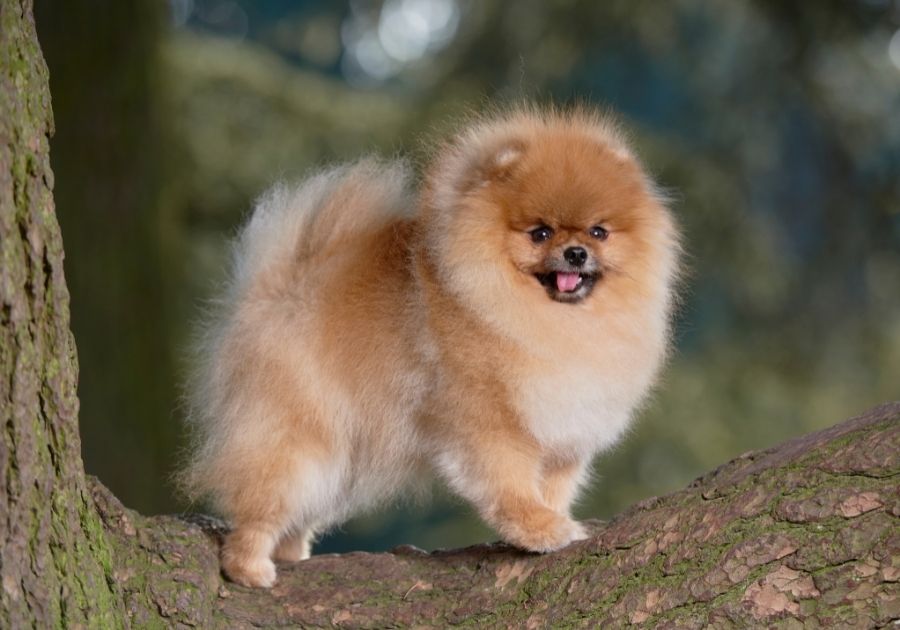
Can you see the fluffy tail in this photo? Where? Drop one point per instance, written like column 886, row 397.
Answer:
column 292, row 223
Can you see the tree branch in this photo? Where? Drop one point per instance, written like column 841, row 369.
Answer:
column 806, row 531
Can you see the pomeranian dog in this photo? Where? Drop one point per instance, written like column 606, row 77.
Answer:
column 499, row 328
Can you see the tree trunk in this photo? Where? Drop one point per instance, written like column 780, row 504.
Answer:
column 802, row 535
column 55, row 559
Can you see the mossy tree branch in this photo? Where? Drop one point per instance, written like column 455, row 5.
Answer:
column 805, row 533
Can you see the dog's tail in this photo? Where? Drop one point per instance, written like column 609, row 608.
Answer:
column 292, row 226
column 294, row 223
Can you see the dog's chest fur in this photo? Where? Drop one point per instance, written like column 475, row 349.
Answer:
column 579, row 405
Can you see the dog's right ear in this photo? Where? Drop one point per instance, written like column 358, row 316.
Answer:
column 502, row 162
column 472, row 162
column 496, row 163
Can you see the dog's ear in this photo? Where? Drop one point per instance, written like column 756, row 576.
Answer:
column 496, row 163
column 472, row 161
column 502, row 163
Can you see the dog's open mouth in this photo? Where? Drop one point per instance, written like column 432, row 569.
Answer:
column 567, row 286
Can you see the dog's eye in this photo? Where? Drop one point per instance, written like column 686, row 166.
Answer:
column 541, row 233
column 599, row 232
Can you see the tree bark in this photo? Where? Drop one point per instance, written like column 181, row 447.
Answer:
column 55, row 563
column 802, row 535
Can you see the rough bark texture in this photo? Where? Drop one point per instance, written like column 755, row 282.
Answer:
column 54, row 558
column 802, row 535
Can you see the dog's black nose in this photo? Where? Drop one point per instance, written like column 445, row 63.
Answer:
column 575, row 256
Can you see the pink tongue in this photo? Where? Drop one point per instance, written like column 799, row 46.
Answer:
column 566, row 282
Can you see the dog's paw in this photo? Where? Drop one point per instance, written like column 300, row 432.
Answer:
column 580, row 533
column 292, row 549
column 255, row 572
column 543, row 531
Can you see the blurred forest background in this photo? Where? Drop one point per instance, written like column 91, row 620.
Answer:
column 775, row 124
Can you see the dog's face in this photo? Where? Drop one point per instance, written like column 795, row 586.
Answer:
column 557, row 211
column 568, row 270
column 575, row 212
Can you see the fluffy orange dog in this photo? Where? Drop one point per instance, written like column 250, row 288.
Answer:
column 499, row 330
